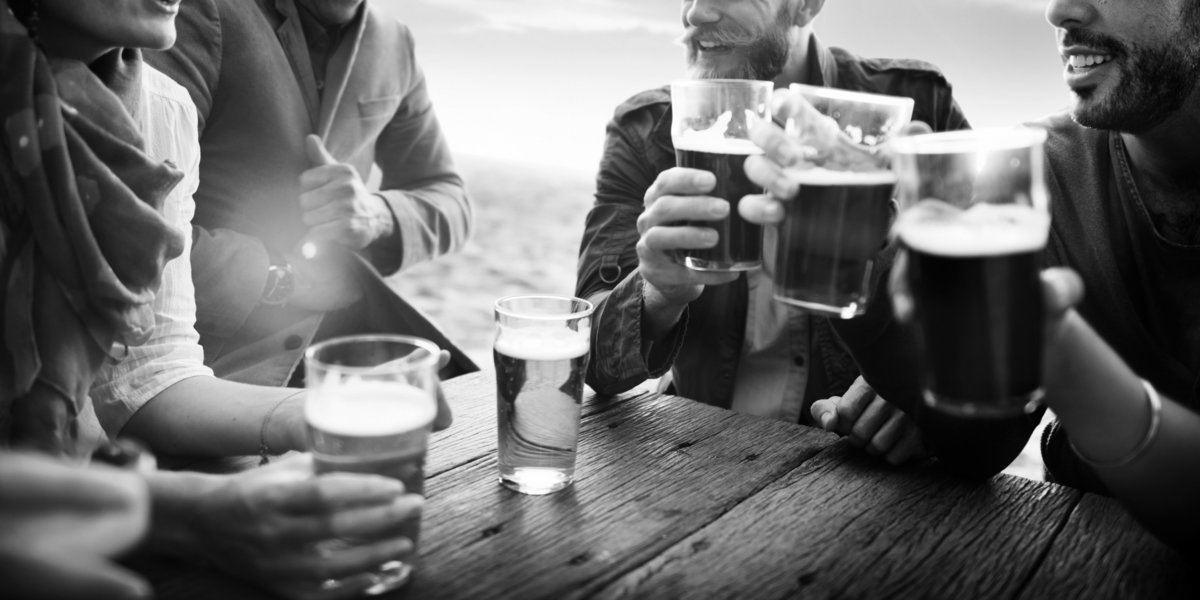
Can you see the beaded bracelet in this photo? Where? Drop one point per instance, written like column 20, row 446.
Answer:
column 1137, row 451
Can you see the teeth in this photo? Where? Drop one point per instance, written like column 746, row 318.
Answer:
column 1079, row 61
column 708, row 45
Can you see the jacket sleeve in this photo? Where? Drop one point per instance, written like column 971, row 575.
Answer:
column 607, row 272
column 420, row 184
column 229, row 268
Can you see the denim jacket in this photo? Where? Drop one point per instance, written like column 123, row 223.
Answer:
column 705, row 346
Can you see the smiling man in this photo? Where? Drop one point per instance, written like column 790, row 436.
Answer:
column 725, row 339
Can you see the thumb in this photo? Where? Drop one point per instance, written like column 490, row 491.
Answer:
column 317, row 154
column 824, row 412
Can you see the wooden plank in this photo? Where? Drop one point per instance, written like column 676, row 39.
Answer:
column 651, row 471
column 845, row 525
column 1102, row 552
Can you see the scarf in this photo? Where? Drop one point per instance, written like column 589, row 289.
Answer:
column 82, row 238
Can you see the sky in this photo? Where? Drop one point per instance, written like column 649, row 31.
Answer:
column 535, row 81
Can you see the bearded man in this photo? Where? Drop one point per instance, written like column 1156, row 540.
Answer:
column 724, row 338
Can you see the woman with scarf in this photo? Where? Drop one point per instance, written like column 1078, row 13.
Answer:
column 98, row 160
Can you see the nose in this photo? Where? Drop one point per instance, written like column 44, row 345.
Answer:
column 701, row 12
column 1067, row 14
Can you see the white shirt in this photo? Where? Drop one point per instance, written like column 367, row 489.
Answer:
column 167, row 119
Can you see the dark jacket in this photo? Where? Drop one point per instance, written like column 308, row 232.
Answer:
column 705, row 347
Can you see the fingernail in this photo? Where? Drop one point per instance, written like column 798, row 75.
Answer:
column 774, row 211
column 827, row 422
column 704, row 180
column 719, row 209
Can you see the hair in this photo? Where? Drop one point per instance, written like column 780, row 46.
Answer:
column 26, row 11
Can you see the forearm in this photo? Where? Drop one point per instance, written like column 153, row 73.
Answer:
column 211, row 417
column 1107, row 413
column 660, row 314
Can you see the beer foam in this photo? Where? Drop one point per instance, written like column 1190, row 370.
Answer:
column 542, row 343
column 706, row 141
column 935, row 227
column 823, row 176
column 369, row 408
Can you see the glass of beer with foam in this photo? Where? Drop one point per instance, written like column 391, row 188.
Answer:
column 975, row 221
column 370, row 408
column 711, row 121
column 541, row 354
column 838, row 222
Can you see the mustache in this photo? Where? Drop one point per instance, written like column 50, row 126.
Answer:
column 724, row 36
column 1091, row 39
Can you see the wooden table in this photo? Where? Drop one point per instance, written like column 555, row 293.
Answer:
column 675, row 499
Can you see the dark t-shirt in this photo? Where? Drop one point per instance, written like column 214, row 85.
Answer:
column 1142, row 290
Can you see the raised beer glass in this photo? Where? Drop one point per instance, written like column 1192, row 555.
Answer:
column 541, row 354
column 370, row 407
column 710, row 128
column 838, row 222
column 975, row 222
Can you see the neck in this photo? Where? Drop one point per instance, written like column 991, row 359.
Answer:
column 797, row 68
column 1169, row 154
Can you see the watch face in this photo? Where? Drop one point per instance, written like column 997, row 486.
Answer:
column 280, row 283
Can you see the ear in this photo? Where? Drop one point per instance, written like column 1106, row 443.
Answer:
column 804, row 11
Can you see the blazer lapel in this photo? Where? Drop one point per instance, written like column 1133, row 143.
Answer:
column 291, row 38
column 337, row 74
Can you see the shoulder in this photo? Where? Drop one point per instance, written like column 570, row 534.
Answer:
column 654, row 102
column 888, row 74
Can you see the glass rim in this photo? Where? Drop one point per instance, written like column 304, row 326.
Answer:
column 863, row 97
column 433, row 349
column 748, row 83
column 567, row 316
column 970, row 141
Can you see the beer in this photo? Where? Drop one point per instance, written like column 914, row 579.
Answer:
column 829, row 237
column 539, row 391
column 739, row 244
column 977, row 296
column 374, row 427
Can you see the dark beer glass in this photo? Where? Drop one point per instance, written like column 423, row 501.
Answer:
column 710, row 128
column 370, row 407
column 541, row 353
column 975, row 222
column 839, row 220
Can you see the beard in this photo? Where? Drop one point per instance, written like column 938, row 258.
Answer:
column 762, row 59
column 1154, row 84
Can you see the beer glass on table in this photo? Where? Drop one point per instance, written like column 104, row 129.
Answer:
column 839, row 220
column 710, row 128
column 541, row 354
column 975, row 222
column 370, row 408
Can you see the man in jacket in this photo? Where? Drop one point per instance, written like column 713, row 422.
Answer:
column 726, row 341
column 298, row 100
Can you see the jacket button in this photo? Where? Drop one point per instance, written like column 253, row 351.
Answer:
column 293, row 342
column 799, row 360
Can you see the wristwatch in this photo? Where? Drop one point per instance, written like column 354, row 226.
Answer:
column 281, row 282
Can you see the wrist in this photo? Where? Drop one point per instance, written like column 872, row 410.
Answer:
column 175, row 511
column 281, row 283
column 660, row 311
column 383, row 222
column 283, row 428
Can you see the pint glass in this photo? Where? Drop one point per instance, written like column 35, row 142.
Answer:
column 541, row 354
column 710, row 128
column 839, row 221
column 370, row 407
column 975, row 222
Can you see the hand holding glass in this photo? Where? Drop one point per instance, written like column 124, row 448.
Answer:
column 370, row 408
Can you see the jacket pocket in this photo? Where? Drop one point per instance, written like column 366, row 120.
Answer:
column 383, row 106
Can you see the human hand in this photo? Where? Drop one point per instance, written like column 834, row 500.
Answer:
column 336, row 205
column 61, row 523
column 677, row 195
column 286, row 530
column 325, row 281
column 872, row 423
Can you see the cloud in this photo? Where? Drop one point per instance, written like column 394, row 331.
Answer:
column 1031, row 6
column 556, row 15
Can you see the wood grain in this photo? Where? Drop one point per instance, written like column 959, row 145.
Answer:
column 650, row 472
column 844, row 525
